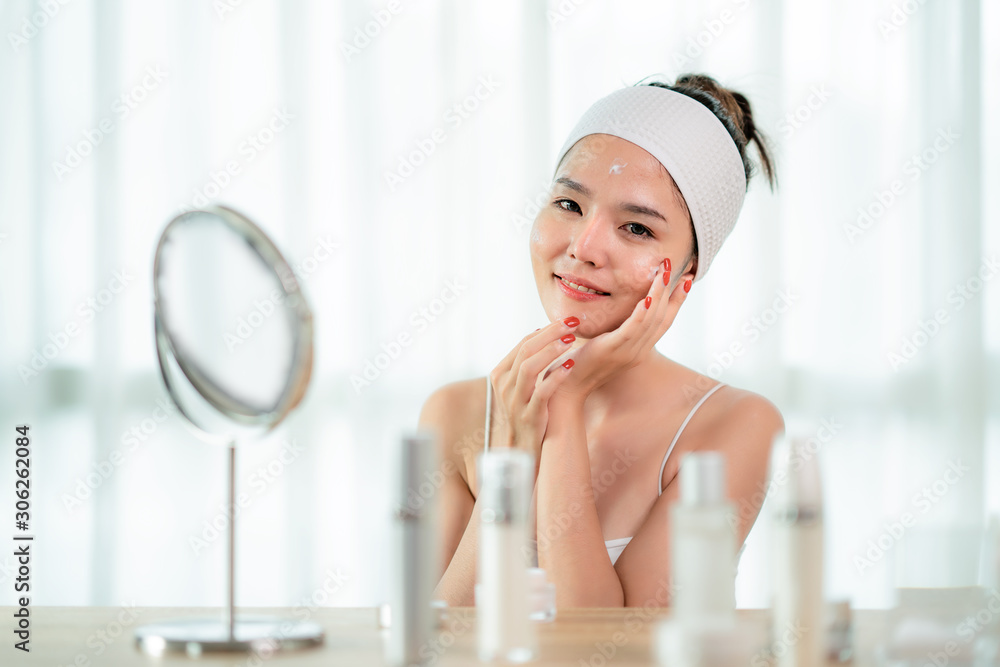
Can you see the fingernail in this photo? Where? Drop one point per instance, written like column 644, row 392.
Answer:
column 571, row 321
column 666, row 271
column 568, row 338
column 687, row 285
column 538, row 329
column 568, row 364
column 649, row 300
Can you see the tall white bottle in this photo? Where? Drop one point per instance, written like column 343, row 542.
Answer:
column 704, row 542
column 503, row 611
column 798, row 614
column 416, row 551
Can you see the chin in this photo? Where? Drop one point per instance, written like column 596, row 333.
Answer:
column 594, row 318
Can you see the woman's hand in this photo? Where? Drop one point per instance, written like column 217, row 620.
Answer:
column 598, row 359
column 524, row 381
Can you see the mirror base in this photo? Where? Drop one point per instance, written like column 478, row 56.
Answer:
column 258, row 634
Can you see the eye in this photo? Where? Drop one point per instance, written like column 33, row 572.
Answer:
column 644, row 231
column 635, row 229
column 559, row 204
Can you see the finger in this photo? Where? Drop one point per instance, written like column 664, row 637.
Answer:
column 533, row 367
column 658, row 287
column 551, row 380
column 544, row 336
column 669, row 308
column 638, row 328
column 510, row 359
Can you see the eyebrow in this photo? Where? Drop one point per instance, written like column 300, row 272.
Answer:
column 628, row 207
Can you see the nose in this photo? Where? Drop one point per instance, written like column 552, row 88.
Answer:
column 589, row 243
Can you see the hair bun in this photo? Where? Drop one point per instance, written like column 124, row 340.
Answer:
column 733, row 110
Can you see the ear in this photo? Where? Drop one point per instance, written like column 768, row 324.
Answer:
column 689, row 271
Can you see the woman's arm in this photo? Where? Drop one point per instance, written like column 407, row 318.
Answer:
column 570, row 540
column 457, row 509
column 457, row 585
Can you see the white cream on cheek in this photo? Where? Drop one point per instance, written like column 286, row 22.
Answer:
column 536, row 236
column 643, row 271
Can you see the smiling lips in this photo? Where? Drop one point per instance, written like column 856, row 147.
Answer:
column 578, row 291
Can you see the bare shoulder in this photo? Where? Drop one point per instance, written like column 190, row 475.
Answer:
column 745, row 409
column 741, row 417
column 456, row 412
column 729, row 408
column 743, row 425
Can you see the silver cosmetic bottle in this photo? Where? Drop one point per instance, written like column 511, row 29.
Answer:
column 415, row 551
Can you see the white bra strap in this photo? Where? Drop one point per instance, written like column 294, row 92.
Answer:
column 489, row 391
column 678, row 435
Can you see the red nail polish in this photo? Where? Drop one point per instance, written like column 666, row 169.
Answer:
column 666, row 277
column 649, row 300
column 571, row 321
column 568, row 338
column 568, row 364
column 687, row 285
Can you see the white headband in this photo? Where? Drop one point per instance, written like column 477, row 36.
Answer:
column 690, row 142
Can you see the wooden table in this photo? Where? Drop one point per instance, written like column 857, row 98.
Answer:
column 103, row 636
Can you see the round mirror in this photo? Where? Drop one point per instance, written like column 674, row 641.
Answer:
column 234, row 339
column 234, row 333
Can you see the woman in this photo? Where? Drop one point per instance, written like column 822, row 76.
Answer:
column 648, row 185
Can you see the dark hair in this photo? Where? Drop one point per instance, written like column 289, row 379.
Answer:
column 733, row 110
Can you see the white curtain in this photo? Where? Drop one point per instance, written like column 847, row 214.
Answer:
column 398, row 149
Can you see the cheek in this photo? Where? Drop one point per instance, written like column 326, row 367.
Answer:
column 542, row 240
column 536, row 237
column 642, row 272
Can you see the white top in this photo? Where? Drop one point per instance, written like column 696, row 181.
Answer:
column 616, row 546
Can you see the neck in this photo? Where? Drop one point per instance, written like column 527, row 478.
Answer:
column 625, row 388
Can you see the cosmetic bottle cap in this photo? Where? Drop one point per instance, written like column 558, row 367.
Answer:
column 703, row 478
column 795, row 480
column 505, row 481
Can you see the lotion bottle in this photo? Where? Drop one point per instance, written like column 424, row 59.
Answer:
column 797, row 527
column 704, row 542
column 503, row 610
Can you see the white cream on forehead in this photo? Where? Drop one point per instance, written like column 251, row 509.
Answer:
column 616, row 167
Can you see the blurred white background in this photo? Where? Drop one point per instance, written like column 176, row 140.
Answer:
column 116, row 116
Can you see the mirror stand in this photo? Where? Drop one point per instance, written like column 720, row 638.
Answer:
column 259, row 634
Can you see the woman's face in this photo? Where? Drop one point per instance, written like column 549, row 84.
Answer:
column 611, row 217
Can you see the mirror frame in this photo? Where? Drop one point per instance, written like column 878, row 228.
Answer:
column 302, row 356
